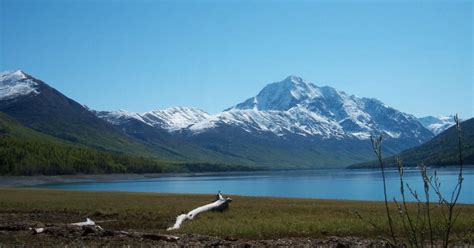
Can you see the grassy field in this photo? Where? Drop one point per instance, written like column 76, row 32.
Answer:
column 248, row 217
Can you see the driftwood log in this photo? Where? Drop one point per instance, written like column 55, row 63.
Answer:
column 220, row 204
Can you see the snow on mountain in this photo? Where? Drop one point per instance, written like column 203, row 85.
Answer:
column 277, row 122
column 300, row 97
column 117, row 117
column 16, row 83
column 282, row 95
column 175, row 118
column 171, row 119
column 293, row 107
column 437, row 124
column 300, row 107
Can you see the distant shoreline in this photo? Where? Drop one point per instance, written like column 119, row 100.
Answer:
column 27, row 181
column 35, row 180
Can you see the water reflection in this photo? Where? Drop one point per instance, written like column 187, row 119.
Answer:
column 325, row 184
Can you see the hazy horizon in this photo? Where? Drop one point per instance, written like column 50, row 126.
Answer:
column 145, row 55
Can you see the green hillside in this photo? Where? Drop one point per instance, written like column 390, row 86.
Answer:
column 442, row 150
column 24, row 151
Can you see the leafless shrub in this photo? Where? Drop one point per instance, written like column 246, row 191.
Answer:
column 417, row 222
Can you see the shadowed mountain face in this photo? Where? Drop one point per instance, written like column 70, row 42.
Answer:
column 289, row 124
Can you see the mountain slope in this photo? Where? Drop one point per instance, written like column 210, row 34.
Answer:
column 24, row 151
column 442, row 150
column 160, row 139
column 437, row 124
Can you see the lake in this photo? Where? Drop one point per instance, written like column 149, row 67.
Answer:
column 323, row 184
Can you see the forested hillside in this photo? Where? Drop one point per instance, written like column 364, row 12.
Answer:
column 24, row 151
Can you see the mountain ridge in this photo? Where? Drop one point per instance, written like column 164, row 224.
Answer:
column 297, row 106
column 296, row 125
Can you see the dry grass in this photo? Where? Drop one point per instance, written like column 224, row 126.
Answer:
column 248, row 217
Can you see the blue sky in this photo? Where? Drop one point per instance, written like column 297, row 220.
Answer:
column 144, row 55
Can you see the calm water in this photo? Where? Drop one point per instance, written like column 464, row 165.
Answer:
column 324, row 184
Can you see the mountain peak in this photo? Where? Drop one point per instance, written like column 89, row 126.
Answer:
column 12, row 75
column 295, row 79
column 16, row 83
column 282, row 95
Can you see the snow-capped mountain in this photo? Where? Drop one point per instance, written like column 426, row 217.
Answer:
column 437, row 124
column 171, row 119
column 291, row 123
column 293, row 107
column 300, row 107
column 16, row 83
